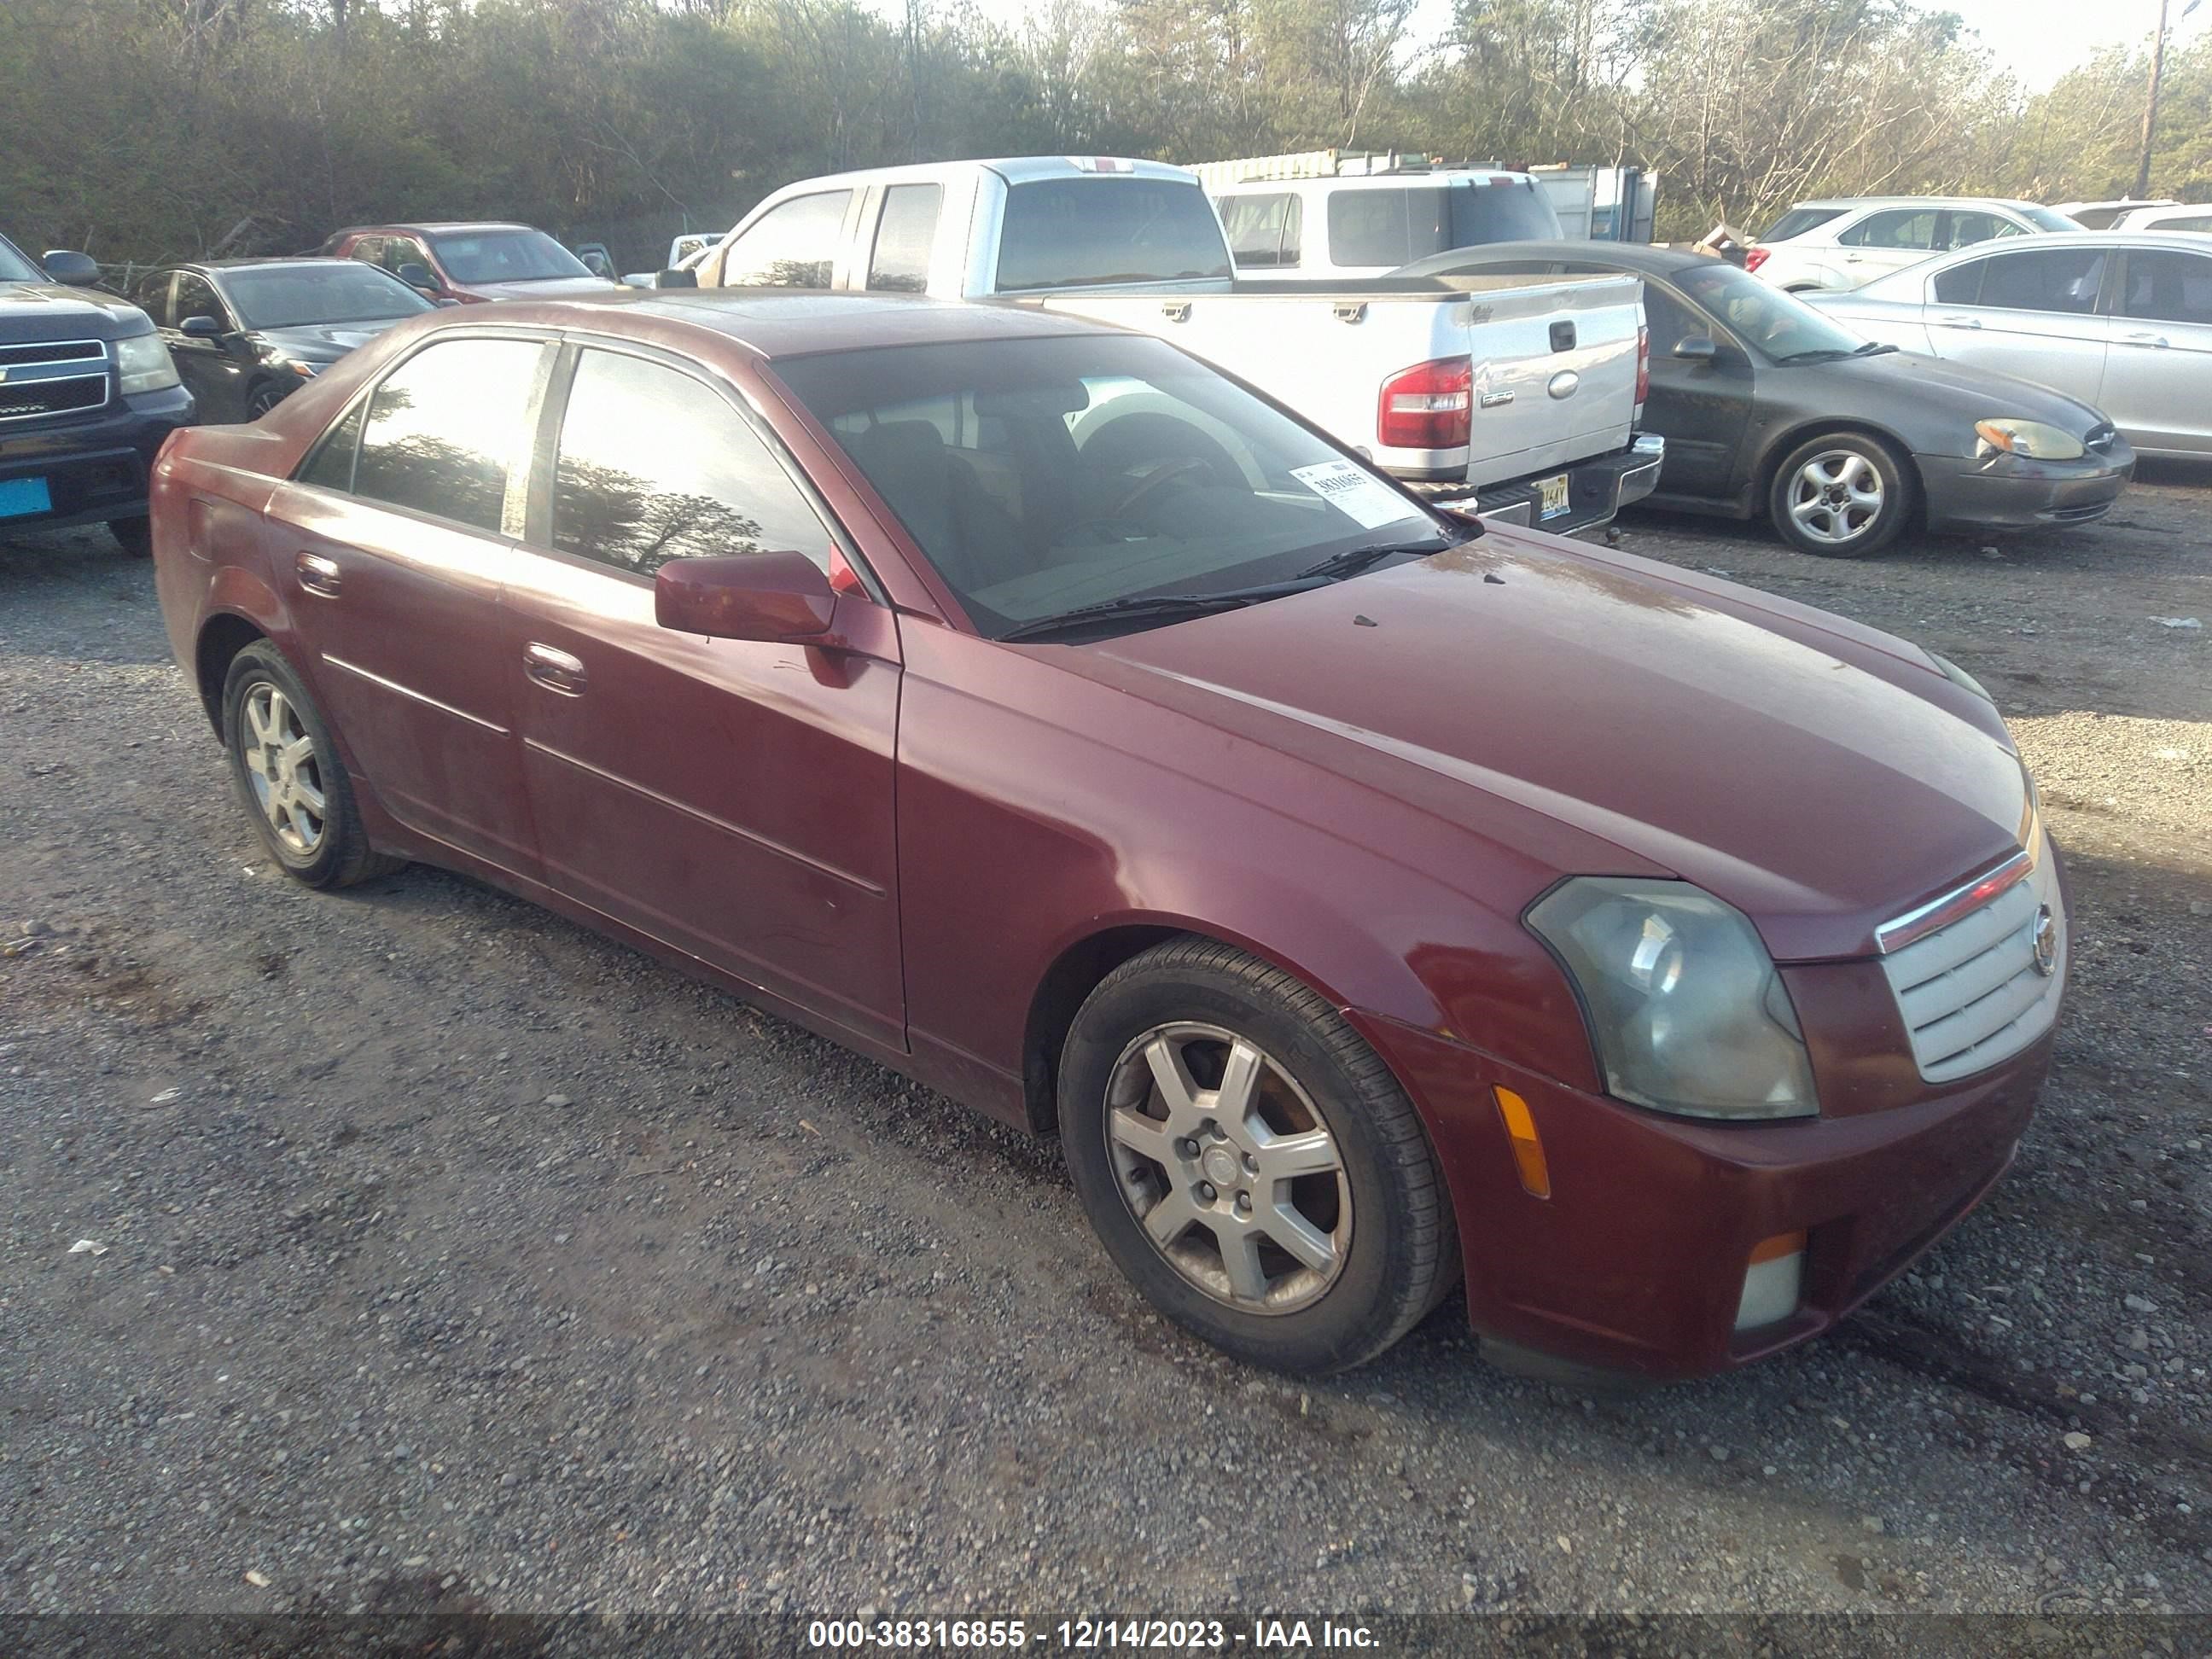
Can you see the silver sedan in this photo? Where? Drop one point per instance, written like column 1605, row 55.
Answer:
column 2120, row 320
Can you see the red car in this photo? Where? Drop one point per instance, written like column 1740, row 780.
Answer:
column 1372, row 905
column 470, row 262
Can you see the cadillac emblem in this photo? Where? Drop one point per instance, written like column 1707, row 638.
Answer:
column 2044, row 939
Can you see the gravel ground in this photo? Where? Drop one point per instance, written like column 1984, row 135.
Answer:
column 446, row 1256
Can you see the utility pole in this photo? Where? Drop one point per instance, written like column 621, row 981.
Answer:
column 2150, row 103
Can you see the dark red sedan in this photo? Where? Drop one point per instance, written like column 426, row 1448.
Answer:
column 1373, row 906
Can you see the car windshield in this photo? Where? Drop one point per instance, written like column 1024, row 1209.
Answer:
column 14, row 267
column 1778, row 326
column 1039, row 476
column 1071, row 232
column 505, row 256
column 2044, row 218
column 329, row 291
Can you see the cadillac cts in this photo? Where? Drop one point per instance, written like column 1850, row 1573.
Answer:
column 1373, row 906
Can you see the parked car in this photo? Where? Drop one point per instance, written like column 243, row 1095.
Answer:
column 86, row 397
column 1520, row 397
column 2105, row 215
column 683, row 251
column 245, row 333
column 597, row 259
column 2167, row 216
column 1771, row 407
column 1364, row 899
column 469, row 262
column 2122, row 319
column 1328, row 228
column 1845, row 242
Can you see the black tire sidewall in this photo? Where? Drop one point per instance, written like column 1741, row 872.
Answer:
column 1340, row 1328
column 252, row 666
column 134, row 535
column 1897, row 497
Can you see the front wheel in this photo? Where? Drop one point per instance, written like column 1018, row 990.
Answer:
column 1250, row 1164
column 289, row 775
column 1841, row 495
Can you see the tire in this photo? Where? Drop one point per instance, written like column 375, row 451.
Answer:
column 1839, row 495
column 134, row 535
column 266, row 716
column 1309, row 1313
column 266, row 398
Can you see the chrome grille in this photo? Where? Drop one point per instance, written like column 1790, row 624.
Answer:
column 52, row 377
column 1970, row 991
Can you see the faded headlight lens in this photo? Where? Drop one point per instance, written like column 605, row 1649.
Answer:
column 2030, row 440
column 143, row 362
column 1686, row 1009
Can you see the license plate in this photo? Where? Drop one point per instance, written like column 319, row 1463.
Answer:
column 1551, row 496
column 20, row 497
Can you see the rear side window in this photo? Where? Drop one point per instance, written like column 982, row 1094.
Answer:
column 904, row 233
column 1961, row 285
column 329, row 465
column 793, row 244
column 1968, row 229
column 1263, row 231
column 1798, row 221
column 1388, row 226
column 153, row 298
column 2197, row 221
column 654, row 466
column 2169, row 288
column 445, row 428
column 1513, row 212
column 1072, row 233
column 1913, row 227
column 2042, row 279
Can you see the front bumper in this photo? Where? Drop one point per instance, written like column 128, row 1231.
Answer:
column 1635, row 1263
column 2011, row 492
column 95, row 470
column 1596, row 489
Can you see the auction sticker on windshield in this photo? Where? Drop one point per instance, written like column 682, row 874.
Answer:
column 1360, row 497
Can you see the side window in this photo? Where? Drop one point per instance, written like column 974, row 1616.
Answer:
column 1899, row 227
column 195, row 297
column 1961, row 285
column 402, row 251
column 445, row 428
column 369, row 250
column 2043, row 279
column 153, row 298
column 2169, row 288
column 1968, row 229
column 2195, row 221
column 329, row 465
column 1262, row 230
column 653, row 466
column 904, row 234
column 1670, row 321
column 793, row 246
column 1368, row 227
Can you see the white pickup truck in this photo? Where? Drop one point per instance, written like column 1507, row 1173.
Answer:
column 1523, row 393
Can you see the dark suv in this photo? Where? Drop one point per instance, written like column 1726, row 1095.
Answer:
column 87, row 393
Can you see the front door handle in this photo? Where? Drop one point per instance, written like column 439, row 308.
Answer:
column 557, row 670
column 317, row 574
column 1960, row 322
column 2155, row 342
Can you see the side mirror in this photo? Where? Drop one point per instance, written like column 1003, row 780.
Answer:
column 1697, row 348
column 201, row 328
column 417, row 276
column 674, row 278
column 76, row 270
column 781, row 597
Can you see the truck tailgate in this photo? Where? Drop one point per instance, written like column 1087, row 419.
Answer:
column 1555, row 360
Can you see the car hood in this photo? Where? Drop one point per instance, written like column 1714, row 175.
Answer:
column 553, row 288
column 322, row 342
column 1959, row 393
column 1820, row 776
column 48, row 311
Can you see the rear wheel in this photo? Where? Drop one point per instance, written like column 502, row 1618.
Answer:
column 289, row 775
column 265, row 399
column 1841, row 495
column 1250, row 1164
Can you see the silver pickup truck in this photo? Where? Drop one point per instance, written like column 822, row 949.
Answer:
column 1521, row 393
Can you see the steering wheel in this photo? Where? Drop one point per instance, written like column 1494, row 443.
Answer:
column 1165, row 473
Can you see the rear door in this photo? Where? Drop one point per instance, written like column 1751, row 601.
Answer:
column 2158, row 376
column 729, row 796
column 393, row 542
column 2030, row 311
column 1888, row 240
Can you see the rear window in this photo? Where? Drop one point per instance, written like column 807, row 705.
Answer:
column 1072, row 233
column 1514, row 212
column 1388, row 227
column 1798, row 221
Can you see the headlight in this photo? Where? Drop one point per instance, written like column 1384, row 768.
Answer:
column 2030, row 440
column 143, row 362
column 1684, row 1003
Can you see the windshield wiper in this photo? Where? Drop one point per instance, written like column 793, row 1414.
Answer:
column 1353, row 560
column 1140, row 605
column 1817, row 355
column 1873, row 349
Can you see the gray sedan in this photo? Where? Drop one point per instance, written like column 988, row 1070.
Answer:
column 1771, row 409
column 2120, row 319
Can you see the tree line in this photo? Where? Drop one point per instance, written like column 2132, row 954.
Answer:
column 167, row 129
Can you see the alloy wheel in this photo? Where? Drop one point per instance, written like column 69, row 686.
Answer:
column 282, row 766
column 1837, row 496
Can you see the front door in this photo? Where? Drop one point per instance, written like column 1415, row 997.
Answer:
column 729, row 796
column 390, row 542
column 1886, row 241
column 213, row 369
column 1701, row 408
column 2030, row 311
column 2158, row 378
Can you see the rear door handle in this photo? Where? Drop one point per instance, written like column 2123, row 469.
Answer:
column 2155, row 342
column 557, row 670
column 1960, row 322
column 317, row 575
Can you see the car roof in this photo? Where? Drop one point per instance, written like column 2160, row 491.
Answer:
column 777, row 323
column 1629, row 256
column 2012, row 201
column 1404, row 180
column 267, row 262
column 433, row 227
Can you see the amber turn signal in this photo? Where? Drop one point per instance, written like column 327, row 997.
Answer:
column 1527, row 1150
